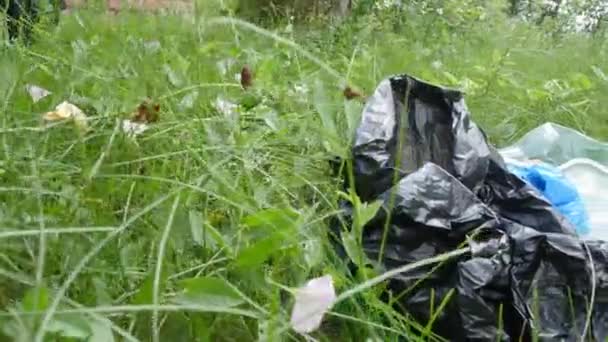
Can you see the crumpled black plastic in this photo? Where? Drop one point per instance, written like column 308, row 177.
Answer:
column 526, row 264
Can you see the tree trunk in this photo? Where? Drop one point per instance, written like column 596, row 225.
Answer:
column 514, row 7
column 342, row 8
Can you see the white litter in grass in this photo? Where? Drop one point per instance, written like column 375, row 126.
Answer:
column 224, row 65
column 591, row 181
column 68, row 111
column 225, row 107
column 152, row 46
column 133, row 129
column 37, row 93
column 299, row 92
column 312, row 301
column 301, row 89
column 437, row 64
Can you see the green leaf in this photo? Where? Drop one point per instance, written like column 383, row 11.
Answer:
column 196, row 226
column 176, row 328
column 368, row 211
column 101, row 330
column 71, row 326
column 250, row 101
column 352, row 113
column 323, row 107
column 496, row 56
column 451, row 78
column 599, row 73
column 353, row 249
column 12, row 330
column 131, row 254
column 180, row 236
column 259, row 252
column 582, row 81
column 469, row 86
column 101, row 292
column 535, row 94
column 36, row 299
column 275, row 218
column 201, row 326
column 216, row 238
column 208, row 291
column 145, row 292
column 313, row 252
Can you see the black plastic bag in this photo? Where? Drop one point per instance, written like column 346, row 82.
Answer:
column 526, row 266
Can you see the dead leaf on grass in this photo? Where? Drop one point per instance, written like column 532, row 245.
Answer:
column 350, row 93
column 246, row 77
column 145, row 114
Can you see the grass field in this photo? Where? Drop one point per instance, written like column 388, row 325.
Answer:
column 101, row 233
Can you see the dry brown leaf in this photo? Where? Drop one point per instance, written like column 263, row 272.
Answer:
column 350, row 94
column 246, row 77
column 146, row 113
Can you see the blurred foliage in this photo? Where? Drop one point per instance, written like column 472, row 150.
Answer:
column 257, row 220
column 298, row 9
column 559, row 15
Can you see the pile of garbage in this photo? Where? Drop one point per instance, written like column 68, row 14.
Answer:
column 538, row 265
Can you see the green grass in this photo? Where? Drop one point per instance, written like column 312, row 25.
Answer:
column 105, row 231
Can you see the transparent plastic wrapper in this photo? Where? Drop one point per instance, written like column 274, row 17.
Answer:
column 591, row 181
column 557, row 189
column 581, row 159
column 441, row 184
column 556, row 144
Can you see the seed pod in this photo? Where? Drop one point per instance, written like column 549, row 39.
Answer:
column 350, row 94
column 246, row 77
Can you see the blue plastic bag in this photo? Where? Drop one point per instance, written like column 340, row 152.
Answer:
column 557, row 189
